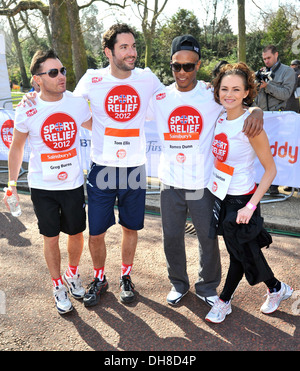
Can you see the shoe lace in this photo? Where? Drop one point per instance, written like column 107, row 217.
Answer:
column 127, row 283
column 92, row 286
column 272, row 297
column 219, row 306
column 61, row 294
column 76, row 281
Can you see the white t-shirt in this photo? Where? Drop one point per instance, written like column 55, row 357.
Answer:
column 119, row 109
column 53, row 135
column 232, row 147
column 185, row 122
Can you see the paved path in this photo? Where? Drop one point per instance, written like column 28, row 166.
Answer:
column 31, row 322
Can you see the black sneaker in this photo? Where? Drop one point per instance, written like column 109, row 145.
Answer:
column 127, row 290
column 95, row 290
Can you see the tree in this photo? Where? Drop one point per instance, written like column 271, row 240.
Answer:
column 241, row 31
column 182, row 22
column 66, row 30
column 149, row 26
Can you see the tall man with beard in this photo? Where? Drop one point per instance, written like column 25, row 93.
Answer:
column 119, row 95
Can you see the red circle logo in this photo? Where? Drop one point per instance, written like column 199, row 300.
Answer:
column 121, row 153
column 7, row 132
column 185, row 119
column 62, row 175
column 59, row 131
column 220, row 147
column 122, row 103
column 181, row 158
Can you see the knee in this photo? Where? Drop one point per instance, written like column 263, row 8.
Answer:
column 129, row 232
column 97, row 238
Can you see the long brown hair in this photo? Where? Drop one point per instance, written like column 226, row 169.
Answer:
column 240, row 69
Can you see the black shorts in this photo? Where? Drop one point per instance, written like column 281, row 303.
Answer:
column 59, row 211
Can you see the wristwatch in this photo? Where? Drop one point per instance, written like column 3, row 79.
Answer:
column 12, row 183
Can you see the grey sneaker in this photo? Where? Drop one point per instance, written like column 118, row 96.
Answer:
column 127, row 294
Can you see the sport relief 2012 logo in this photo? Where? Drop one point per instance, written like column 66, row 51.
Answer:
column 59, row 131
column 7, row 132
column 185, row 119
column 220, row 147
column 122, row 103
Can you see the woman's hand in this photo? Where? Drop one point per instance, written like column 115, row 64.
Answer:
column 244, row 215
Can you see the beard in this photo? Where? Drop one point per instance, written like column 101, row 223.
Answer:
column 123, row 64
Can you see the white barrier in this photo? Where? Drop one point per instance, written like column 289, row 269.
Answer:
column 5, row 94
column 283, row 129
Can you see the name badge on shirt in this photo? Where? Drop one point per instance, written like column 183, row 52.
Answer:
column 121, row 145
column 220, row 179
column 178, row 146
column 60, row 166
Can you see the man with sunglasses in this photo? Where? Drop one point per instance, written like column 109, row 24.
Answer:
column 55, row 176
column 185, row 113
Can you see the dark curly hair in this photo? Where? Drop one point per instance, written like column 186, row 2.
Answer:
column 110, row 36
column 240, row 69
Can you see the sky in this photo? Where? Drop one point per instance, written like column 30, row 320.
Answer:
column 252, row 12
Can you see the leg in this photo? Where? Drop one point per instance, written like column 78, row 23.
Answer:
column 52, row 255
column 97, row 248
column 209, row 275
column 174, row 212
column 129, row 244
column 75, row 247
column 234, row 276
column 98, row 253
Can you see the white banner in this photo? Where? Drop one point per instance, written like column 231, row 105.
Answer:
column 5, row 94
column 283, row 129
column 6, row 134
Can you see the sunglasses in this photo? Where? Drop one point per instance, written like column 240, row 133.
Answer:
column 187, row 67
column 53, row 72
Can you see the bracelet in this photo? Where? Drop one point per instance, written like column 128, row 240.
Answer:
column 251, row 206
column 12, row 183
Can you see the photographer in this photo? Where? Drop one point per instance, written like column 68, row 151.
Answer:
column 276, row 84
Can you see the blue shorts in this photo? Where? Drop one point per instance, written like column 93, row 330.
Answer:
column 105, row 185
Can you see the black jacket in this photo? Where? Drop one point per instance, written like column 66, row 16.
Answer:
column 243, row 241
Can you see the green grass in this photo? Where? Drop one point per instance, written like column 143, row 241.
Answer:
column 16, row 97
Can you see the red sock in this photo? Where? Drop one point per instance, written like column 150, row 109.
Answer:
column 72, row 271
column 126, row 269
column 58, row 282
column 99, row 273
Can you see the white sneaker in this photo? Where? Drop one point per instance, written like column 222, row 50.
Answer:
column 274, row 299
column 210, row 300
column 74, row 285
column 174, row 297
column 219, row 311
column 63, row 303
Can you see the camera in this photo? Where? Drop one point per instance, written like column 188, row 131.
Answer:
column 263, row 75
